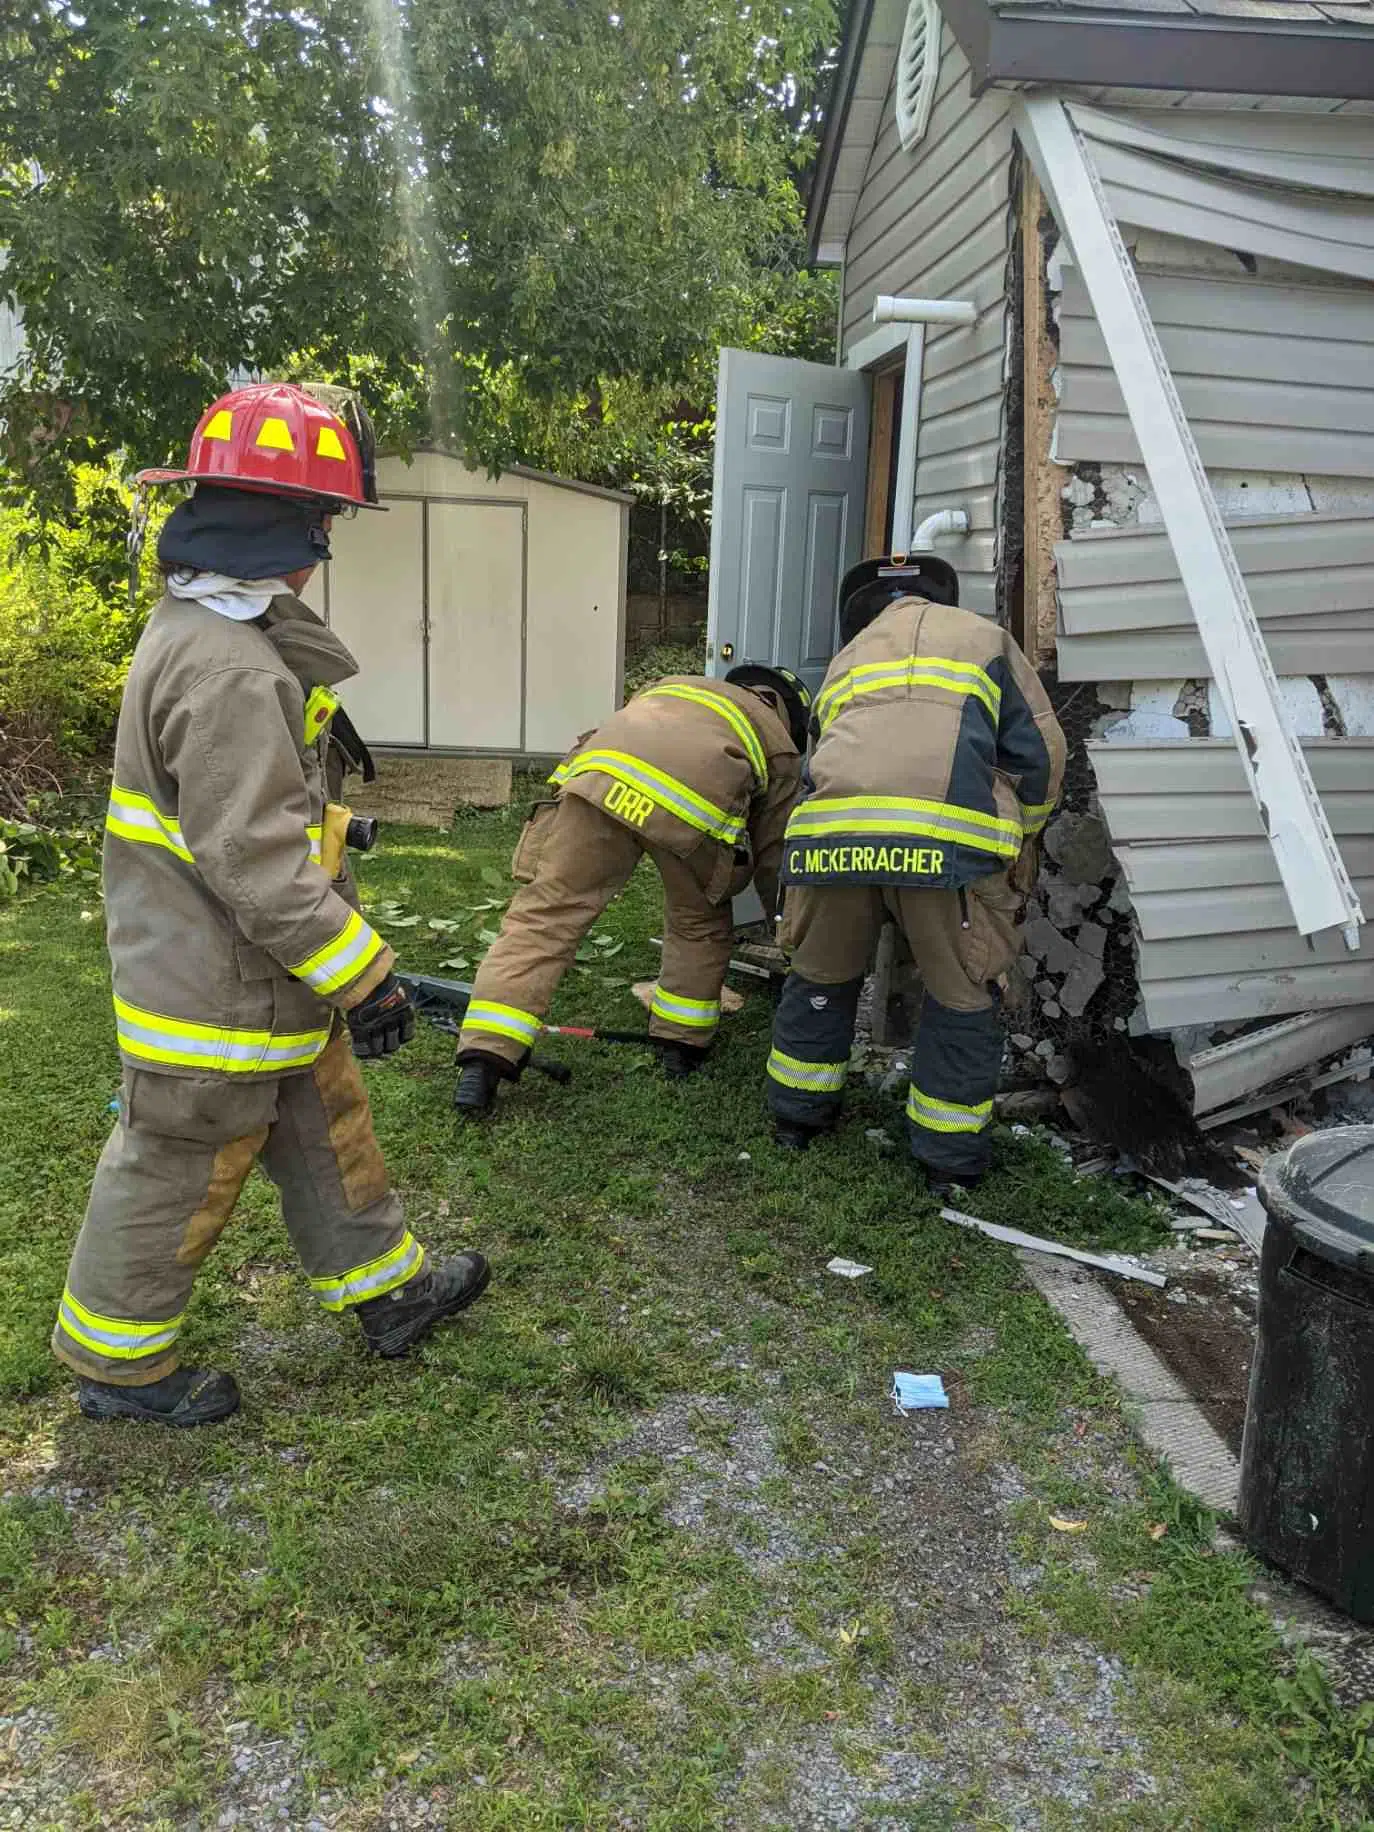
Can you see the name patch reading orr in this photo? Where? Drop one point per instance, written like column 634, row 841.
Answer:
column 630, row 804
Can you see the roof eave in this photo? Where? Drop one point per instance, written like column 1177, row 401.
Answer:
column 1221, row 56
column 856, row 26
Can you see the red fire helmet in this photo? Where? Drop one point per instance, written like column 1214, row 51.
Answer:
column 285, row 440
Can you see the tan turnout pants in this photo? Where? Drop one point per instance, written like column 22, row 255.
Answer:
column 962, row 941
column 582, row 860
column 167, row 1183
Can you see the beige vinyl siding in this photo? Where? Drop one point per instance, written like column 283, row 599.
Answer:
column 1216, row 940
column 935, row 223
column 1164, row 172
column 1123, row 614
column 1276, row 378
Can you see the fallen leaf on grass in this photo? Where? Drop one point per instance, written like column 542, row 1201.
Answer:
column 1159, row 1529
column 1061, row 1525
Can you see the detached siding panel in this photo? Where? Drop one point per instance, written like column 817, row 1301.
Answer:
column 1124, row 615
column 1331, row 234
column 935, row 222
column 1272, row 378
column 1215, row 940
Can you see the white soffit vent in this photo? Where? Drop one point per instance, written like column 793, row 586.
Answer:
column 918, row 65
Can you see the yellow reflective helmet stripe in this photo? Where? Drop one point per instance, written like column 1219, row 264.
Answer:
column 374, row 1279
column 329, row 445
column 221, row 426
column 342, row 959
column 121, row 1338
column 939, row 671
column 274, row 435
column 940, row 1115
column 671, row 795
column 692, row 1014
column 151, row 1036
column 811, row 1077
column 502, row 1020
column 725, row 709
column 137, row 818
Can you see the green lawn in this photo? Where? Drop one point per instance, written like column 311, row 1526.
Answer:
column 639, row 1543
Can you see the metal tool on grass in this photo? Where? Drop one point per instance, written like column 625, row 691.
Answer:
column 443, row 1002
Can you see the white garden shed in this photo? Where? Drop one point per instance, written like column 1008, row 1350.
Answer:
column 487, row 613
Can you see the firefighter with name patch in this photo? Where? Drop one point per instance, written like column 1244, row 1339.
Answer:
column 245, row 978
column 700, row 775
column 936, row 762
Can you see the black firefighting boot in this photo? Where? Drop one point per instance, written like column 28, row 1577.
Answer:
column 789, row 1136
column 949, row 1185
column 398, row 1320
column 478, row 1079
column 190, row 1396
column 679, row 1060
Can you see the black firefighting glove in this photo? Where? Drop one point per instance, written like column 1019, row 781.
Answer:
column 384, row 1021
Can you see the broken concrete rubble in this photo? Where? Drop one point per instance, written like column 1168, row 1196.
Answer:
column 1081, row 982
column 1078, row 845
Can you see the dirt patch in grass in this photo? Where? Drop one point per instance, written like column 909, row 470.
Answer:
column 1202, row 1326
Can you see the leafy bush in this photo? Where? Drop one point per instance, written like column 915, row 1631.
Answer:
column 66, row 628
column 30, row 853
column 657, row 659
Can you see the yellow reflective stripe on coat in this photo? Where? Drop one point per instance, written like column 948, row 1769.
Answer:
column 502, row 1020
column 693, row 1014
column 319, row 710
column 963, row 678
column 904, row 814
column 811, row 1077
column 122, row 1338
column 670, row 794
column 1035, row 814
column 342, row 959
column 726, row 709
column 151, row 1036
column 946, row 1115
column 137, row 817
column 373, row 1280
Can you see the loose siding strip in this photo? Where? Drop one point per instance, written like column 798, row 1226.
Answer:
column 1124, row 614
column 1276, row 378
column 935, row 223
column 1214, row 937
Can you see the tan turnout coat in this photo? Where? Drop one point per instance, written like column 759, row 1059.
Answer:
column 702, row 768
column 231, row 948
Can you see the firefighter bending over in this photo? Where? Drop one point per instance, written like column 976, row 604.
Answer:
column 241, row 964
column 937, row 762
column 701, row 775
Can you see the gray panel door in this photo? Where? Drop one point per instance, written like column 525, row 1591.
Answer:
column 787, row 510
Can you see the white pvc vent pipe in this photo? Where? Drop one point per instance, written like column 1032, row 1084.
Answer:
column 944, row 521
column 887, row 310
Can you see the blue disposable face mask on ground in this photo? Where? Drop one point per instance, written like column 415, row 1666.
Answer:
column 918, row 1392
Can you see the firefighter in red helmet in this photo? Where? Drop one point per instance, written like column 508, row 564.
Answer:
column 246, row 980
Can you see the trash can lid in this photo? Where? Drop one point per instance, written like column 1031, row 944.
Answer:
column 1323, row 1188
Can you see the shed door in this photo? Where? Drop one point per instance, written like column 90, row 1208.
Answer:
column 377, row 605
column 787, row 509
column 476, row 625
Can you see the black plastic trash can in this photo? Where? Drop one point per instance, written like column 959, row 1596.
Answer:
column 1307, row 1463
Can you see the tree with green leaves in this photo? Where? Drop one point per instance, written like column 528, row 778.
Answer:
column 513, row 227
